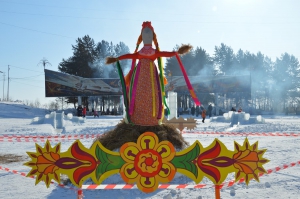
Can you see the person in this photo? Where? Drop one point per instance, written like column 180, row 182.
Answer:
column 188, row 110
column 114, row 111
column 79, row 111
column 180, row 109
column 209, row 110
column 203, row 115
column 193, row 110
column 197, row 111
column 84, row 111
column 233, row 109
column 95, row 113
column 143, row 86
column 240, row 110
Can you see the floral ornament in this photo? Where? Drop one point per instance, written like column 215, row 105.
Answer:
column 185, row 162
column 248, row 161
column 43, row 163
column 47, row 163
column 83, row 162
column 147, row 162
column 109, row 162
column 214, row 160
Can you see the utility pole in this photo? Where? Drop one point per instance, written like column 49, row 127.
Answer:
column 8, row 85
column 3, row 84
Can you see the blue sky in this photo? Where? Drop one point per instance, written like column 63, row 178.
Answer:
column 32, row 29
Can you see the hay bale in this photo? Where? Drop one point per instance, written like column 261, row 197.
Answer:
column 124, row 133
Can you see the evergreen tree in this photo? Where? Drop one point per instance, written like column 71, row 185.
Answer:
column 84, row 54
column 106, row 49
column 172, row 66
column 224, row 59
column 202, row 63
column 286, row 77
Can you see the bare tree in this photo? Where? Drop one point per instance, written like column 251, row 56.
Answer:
column 37, row 103
column 44, row 62
column 53, row 106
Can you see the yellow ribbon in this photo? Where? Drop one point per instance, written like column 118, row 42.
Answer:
column 153, row 92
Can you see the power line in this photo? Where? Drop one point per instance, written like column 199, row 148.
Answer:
column 26, row 77
column 124, row 11
column 34, row 81
column 25, row 69
column 164, row 21
column 64, row 7
column 84, row 17
column 27, row 84
column 47, row 15
column 36, row 30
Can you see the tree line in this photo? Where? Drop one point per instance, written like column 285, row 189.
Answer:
column 88, row 61
column 274, row 84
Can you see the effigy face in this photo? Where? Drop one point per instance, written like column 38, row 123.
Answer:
column 147, row 35
column 147, row 162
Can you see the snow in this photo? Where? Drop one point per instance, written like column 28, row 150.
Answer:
column 18, row 119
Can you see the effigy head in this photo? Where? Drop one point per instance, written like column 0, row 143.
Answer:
column 147, row 36
column 147, row 32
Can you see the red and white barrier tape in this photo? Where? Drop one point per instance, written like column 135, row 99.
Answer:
column 269, row 171
column 187, row 186
column 163, row 186
column 30, row 138
column 292, row 134
column 24, row 174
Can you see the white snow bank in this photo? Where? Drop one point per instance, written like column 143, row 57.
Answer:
column 57, row 120
column 235, row 118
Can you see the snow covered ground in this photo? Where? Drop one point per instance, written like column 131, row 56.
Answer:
column 17, row 119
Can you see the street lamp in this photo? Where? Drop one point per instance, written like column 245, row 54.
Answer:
column 3, row 83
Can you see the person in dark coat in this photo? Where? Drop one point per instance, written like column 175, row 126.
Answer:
column 203, row 114
column 95, row 113
column 197, row 111
column 79, row 111
column 240, row 110
column 233, row 109
column 209, row 110
column 84, row 111
column 193, row 110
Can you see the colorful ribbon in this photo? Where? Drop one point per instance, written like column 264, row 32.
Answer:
column 187, row 81
column 125, row 99
column 134, row 87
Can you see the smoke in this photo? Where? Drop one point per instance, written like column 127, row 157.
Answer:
column 207, row 70
column 106, row 49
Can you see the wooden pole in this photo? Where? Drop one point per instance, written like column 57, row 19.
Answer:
column 217, row 192
column 79, row 194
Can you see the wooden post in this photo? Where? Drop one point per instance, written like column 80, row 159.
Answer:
column 217, row 192
column 79, row 194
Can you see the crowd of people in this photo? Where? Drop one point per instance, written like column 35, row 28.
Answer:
column 200, row 110
column 82, row 111
column 194, row 111
column 239, row 110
